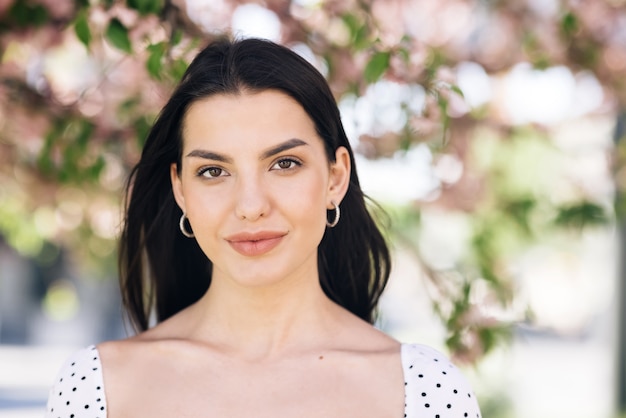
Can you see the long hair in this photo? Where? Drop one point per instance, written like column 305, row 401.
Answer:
column 163, row 272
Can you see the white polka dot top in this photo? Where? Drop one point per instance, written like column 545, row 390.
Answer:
column 78, row 391
column 434, row 387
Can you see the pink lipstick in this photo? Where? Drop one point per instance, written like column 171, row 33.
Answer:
column 255, row 244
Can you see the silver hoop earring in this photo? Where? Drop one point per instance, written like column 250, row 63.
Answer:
column 181, row 225
column 336, row 219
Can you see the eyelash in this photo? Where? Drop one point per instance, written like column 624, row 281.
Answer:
column 203, row 170
column 296, row 163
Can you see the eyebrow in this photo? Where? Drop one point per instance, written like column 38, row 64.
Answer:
column 287, row 145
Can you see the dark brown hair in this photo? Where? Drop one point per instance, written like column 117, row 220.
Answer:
column 163, row 271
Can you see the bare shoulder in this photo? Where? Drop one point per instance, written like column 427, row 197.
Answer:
column 146, row 343
column 133, row 352
column 132, row 370
column 114, row 353
column 364, row 336
column 121, row 359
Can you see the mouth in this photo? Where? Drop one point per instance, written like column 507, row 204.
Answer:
column 255, row 244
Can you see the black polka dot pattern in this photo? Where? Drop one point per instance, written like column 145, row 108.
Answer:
column 78, row 389
column 434, row 387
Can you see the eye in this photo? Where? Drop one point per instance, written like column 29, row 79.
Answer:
column 212, row 172
column 286, row 164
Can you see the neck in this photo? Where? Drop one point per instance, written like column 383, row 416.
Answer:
column 263, row 322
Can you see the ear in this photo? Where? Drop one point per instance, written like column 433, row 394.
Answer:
column 339, row 179
column 177, row 187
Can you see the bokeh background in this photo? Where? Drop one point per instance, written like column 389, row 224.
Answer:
column 491, row 131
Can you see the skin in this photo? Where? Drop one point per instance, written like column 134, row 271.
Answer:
column 264, row 341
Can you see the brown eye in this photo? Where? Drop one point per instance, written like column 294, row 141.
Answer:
column 286, row 164
column 212, row 172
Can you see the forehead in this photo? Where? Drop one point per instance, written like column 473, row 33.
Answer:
column 246, row 114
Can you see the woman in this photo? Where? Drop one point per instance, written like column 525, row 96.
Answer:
column 248, row 239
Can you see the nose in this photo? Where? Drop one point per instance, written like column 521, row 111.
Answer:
column 251, row 198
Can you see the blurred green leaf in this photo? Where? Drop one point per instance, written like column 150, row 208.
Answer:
column 581, row 215
column 25, row 14
column 520, row 210
column 45, row 162
column 542, row 62
column 177, row 36
column 535, row 51
column 569, row 24
column 178, row 68
column 457, row 90
column 146, row 7
column 359, row 32
column 142, row 128
column 85, row 131
column 154, row 63
column 18, row 228
column 405, row 54
column 95, row 170
column 619, row 206
column 484, row 245
column 67, row 156
column 376, row 67
column 81, row 28
column 433, row 61
column 117, row 35
column 492, row 336
column 77, row 135
column 487, row 272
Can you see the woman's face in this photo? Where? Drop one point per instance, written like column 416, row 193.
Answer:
column 255, row 184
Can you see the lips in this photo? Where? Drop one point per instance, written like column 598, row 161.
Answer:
column 255, row 244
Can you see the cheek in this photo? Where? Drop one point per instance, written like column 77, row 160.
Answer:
column 307, row 199
column 203, row 209
column 206, row 214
